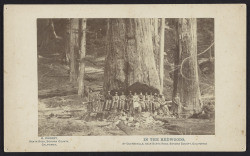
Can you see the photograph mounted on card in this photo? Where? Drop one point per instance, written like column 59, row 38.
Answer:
column 123, row 78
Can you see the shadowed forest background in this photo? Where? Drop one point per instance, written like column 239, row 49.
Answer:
column 62, row 109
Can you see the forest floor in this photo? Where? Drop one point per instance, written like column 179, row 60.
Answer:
column 62, row 113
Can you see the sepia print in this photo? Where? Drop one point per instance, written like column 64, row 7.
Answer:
column 125, row 76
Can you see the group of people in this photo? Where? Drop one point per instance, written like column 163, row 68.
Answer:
column 131, row 103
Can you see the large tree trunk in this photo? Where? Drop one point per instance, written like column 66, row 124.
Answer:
column 186, row 79
column 73, row 49
column 130, row 54
column 82, row 51
column 66, row 42
column 158, row 30
column 161, row 53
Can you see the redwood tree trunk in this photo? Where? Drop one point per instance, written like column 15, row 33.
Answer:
column 130, row 54
column 73, row 49
column 186, row 79
column 161, row 53
column 82, row 51
column 66, row 41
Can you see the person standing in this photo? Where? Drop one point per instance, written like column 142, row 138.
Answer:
column 115, row 102
column 158, row 104
column 95, row 102
column 108, row 101
column 142, row 101
column 136, row 104
column 176, row 105
column 151, row 102
column 102, row 102
column 91, row 101
column 164, row 106
column 122, row 102
column 129, row 102
column 147, row 102
column 98, row 102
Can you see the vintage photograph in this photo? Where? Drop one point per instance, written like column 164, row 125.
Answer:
column 125, row 76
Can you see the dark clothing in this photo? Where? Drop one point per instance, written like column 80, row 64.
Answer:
column 142, row 102
column 156, row 103
column 176, row 108
column 129, row 102
column 147, row 102
column 108, row 102
column 91, row 102
column 122, row 102
column 115, row 102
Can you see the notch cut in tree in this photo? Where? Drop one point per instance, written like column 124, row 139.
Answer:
column 186, row 79
column 131, row 55
column 82, row 52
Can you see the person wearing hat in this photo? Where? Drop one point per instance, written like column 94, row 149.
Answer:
column 151, row 102
column 161, row 100
column 108, row 101
column 129, row 102
column 115, row 102
column 142, row 101
column 156, row 103
column 163, row 105
column 176, row 105
column 96, row 102
column 90, row 101
column 89, row 105
column 136, row 105
column 102, row 102
column 99, row 102
column 147, row 102
column 122, row 102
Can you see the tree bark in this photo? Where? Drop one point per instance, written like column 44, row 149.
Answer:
column 156, row 37
column 82, row 51
column 66, row 41
column 73, row 49
column 186, row 79
column 161, row 53
column 158, row 30
column 130, row 54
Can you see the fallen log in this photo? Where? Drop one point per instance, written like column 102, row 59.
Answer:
column 104, row 125
column 124, row 128
column 163, row 119
column 55, row 93
column 63, row 116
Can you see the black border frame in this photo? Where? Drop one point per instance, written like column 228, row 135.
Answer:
column 3, row 2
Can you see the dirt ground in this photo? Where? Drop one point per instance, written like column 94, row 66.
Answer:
column 62, row 113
